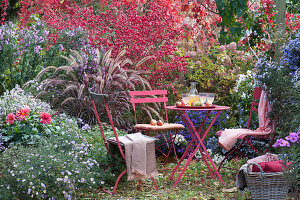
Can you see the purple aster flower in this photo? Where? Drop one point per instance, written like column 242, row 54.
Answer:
column 293, row 137
column 61, row 47
column 276, row 144
column 284, row 143
column 37, row 49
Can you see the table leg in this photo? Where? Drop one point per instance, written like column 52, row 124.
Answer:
column 204, row 148
column 199, row 143
column 186, row 164
column 200, row 140
column 188, row 147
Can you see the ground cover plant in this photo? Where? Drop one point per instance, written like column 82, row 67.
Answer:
column 70, row 158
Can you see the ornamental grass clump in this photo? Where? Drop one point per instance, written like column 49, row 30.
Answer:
column 68, row 86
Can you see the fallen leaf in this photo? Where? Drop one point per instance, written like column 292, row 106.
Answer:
column 230, row 190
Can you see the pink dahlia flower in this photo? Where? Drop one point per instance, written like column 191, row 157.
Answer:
column 10, row 118
column 22, row 113
column 45, row 118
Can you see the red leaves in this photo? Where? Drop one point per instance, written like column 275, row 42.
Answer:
column 125, row 26
column 3, row 13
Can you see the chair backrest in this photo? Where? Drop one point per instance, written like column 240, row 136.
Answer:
column 255, row 102
column 103, row 99
column 152, row 96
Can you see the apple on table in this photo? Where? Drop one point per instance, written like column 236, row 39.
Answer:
column 160, row 123
column 180, row 104
column 153, row 122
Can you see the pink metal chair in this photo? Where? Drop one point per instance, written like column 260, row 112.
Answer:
column 249, row 139
column 156, row 97
column 103, row 99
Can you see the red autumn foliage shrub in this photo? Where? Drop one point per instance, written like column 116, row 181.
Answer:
column 3, row 6
column 141, row 30
column 203, row 23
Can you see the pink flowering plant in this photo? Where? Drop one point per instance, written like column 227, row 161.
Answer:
column 291, row 152
column 25, row 126
column 24, row 119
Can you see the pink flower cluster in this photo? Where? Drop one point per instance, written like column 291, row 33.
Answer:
column 23, row 113
column 292, row 138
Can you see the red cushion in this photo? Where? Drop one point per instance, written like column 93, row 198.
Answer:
column 272, row 166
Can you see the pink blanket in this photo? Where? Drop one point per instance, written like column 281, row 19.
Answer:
column 229, row 137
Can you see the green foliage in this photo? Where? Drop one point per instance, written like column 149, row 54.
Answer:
column 240, row 99
column 12, row 100
column 20, row 57
column 25, row 51
column 293, row 6
column 68, row 164
column 283, row 93
column 230, row 11
column 216, row 69
column 289, row 151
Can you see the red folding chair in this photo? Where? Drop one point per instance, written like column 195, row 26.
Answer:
column 156, row 97
column 103, row 99
column 250, row 139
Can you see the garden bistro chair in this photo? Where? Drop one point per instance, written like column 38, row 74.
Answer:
column 156, row 97
column 266, row 130
column 125, row 146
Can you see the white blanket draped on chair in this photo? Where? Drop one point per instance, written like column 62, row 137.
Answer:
column 229, row 137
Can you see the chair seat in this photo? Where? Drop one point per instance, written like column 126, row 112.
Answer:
column 164, row 127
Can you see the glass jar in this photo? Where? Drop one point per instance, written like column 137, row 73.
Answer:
column 193, row 90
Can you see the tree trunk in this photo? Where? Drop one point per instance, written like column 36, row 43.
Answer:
column 279, row 29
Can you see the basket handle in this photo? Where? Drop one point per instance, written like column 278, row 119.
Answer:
column 261, row 174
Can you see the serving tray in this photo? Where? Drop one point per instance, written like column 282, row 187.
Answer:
column 211, row 106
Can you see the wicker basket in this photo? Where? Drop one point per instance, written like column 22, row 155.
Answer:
column 271, row 186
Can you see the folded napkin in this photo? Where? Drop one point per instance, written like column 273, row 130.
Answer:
column 228, row 137
column 139, row 155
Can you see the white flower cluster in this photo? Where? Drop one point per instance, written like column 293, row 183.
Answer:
column 216, row 158
column 244, row 80
column 13, row 100
column 180, row 140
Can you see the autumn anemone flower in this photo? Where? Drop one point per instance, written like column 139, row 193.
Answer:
column 10, row 118
column 22, row 113
column 45, row 118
